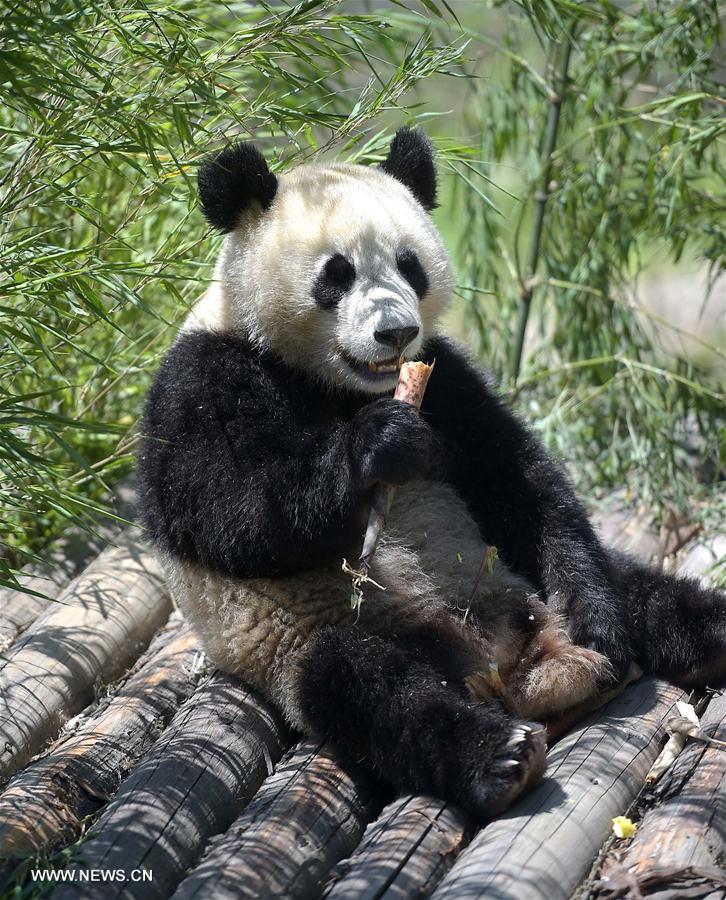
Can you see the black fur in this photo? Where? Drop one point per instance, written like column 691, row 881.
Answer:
column 230, row 181
column 688, row 619
column 390, row 442
column 251, row 469
column 524, row 503
column 410, row 160
column 334, row 281
column 244, row 467
column 410, row 267
column 397, row 702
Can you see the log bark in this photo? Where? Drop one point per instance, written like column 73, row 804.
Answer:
column 684, row 834
column 19, row 609
column 46, row 802
column 305, row 817
column 404, row 853
column 194, row 782
column 64, row 560
column 545, row 844
column 100, row 625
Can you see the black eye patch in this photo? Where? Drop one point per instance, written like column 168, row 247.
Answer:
column 335, row 280
column 410, row 267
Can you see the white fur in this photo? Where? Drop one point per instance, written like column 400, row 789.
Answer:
column 430, row 556
column 267, row 268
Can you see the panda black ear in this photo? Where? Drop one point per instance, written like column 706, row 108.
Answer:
column 410, row 160
column 230, row 181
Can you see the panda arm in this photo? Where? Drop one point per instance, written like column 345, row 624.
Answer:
column 232, row 473
column 522, row 501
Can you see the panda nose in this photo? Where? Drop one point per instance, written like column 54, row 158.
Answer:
column 398, row 338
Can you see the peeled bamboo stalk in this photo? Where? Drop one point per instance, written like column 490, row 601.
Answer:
column 410, row 389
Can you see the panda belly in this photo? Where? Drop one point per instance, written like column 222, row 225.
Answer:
column 429, row 566
column 433, row 523
column 429, row 555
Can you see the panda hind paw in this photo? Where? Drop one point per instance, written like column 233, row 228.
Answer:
column 519, row 763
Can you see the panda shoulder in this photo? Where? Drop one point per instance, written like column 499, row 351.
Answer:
column 454, row 364
column 206, row 365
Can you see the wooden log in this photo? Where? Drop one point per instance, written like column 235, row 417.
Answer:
column 305, row 817
column 97, row 629
column 404, row 853
column 65, row 558
column 545, row 844
column 683, row 835
column 48, row 800
column 19, row 608
column 194, row 782
column 628, row 529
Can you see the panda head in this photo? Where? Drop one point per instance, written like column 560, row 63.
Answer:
column 336, row 269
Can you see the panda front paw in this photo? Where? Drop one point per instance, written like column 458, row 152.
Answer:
column 391, row 443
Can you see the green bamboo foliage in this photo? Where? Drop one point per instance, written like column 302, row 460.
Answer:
column 108, row 106
column 635, row 175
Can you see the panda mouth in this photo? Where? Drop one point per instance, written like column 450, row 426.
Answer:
column 380, row 368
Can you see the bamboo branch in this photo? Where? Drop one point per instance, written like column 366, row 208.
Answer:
column 541, row 196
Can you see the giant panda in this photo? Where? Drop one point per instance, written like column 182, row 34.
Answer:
column 267, row 427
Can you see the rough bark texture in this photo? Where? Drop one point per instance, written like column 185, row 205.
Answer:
column 682, row 838
column 304, row 818
column 404, row 853
column 47, row 800
column 63, row 561
column 97, row 628
column 19, row 609
column 544, row 845
column 197, row 778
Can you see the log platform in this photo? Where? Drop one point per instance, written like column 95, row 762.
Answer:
column 131, row 770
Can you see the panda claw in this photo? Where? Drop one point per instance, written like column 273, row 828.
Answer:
column 521, row 734
column 523, row 765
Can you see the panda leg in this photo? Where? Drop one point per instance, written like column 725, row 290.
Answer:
column 679, row 626
column 397, row 702
column 544, row 672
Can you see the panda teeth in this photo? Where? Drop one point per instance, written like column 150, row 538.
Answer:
column 386, row 367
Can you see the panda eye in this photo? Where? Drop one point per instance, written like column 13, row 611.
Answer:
column 335, row 279
column 410, row 267
column 340, row 270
